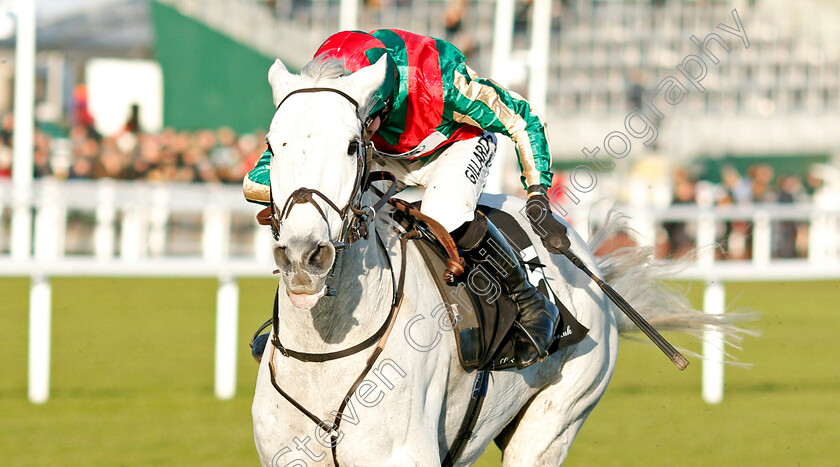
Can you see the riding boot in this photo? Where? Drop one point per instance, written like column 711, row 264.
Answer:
column 482, row 243
column 258, row 346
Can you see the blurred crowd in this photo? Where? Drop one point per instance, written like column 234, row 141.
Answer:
column 219, row 156
column 759, row 184
column 222, row 156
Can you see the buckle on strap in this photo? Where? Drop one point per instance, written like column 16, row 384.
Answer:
column 276, row 343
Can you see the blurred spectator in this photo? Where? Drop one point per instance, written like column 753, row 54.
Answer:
column 453, row 22
column 81, row 116
column 785, row 232
column 200, row 156
column 5, row 161
column 736, row 190
column 636, row 89
column 224, row 154
column 680, row 241
column 6, row 130
column 762, row 176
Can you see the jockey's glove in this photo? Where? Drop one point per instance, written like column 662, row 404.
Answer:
column 551, row 231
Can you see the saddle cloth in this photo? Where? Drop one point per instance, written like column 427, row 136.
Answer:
column 482, row 314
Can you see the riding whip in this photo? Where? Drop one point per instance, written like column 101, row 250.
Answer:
column 634, row 316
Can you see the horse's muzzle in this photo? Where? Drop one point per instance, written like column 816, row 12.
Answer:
column 312, row 259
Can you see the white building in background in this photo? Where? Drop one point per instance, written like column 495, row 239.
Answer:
column 115, row 86
column 69, row 33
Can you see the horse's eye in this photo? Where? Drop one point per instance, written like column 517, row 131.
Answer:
column 353, row 148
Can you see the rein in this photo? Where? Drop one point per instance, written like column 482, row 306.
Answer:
column 380, row 337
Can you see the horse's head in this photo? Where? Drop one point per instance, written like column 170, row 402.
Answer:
column 316, row 138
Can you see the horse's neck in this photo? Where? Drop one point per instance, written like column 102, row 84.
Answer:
column 363, row 285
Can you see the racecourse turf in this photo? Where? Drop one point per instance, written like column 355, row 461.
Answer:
column 132, row 376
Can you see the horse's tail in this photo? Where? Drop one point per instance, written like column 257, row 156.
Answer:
column 634, row 273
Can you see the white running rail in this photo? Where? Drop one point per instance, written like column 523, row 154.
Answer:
column 134, row 228
column 132, row 225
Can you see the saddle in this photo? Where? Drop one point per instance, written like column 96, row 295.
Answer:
column 482, row 321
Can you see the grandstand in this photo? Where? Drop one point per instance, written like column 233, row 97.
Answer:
column 778, row 97
column 776, row 101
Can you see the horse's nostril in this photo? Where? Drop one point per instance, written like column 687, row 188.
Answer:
column 281, row 259
column 320, row 258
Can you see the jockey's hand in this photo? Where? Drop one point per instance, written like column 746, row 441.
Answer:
column 373, row 126
column 550, row 230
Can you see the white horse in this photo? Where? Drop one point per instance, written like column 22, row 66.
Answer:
column 407, row 410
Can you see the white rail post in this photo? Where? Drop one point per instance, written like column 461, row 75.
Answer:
column 762, row 243
column 227, row 326
column 2, row 210
column 706, row 238
column 539, row 57
column 106, row 213
column 348, row 16
column 714, row 299
column 47, row 227
column 128, row 235
column 215, row 234
column 60, row 212
column 263, row 241
column 644, row 223
column 502, row 41
column 831, row 243
column 499, row 66
column 40, row 298
column 815, row 237
column 159, row 217
column 55, row 85
column 24, row 122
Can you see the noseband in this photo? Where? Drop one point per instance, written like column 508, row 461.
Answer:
column 354, row 217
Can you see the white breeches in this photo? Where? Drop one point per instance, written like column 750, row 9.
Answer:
column 454, row 178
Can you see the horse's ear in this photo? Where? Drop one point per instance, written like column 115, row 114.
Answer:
column 278, row 77
column 364, row 82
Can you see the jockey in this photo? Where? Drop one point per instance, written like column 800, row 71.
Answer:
column 432, row 122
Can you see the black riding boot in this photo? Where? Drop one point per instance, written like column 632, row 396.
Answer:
column 482, row 243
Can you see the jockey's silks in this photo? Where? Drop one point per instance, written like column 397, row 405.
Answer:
column 434, row 98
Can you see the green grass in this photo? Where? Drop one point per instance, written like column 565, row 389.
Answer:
column 784, row 411
column 132, row 375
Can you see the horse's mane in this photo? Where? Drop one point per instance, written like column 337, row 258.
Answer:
column 322, row 68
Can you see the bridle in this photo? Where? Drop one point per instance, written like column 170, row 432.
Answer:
column 353, row 215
